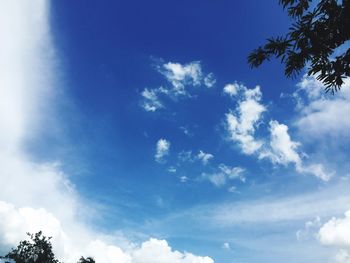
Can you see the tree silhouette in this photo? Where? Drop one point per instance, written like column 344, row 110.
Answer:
column 86, row 260
column 312, row 40
column 37, row 249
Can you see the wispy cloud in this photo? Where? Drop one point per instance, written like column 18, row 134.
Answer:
column 204, row 157
column 182, row 75
column 151, row 101
column 179, row 77
column 223, row 174
column 162, row 150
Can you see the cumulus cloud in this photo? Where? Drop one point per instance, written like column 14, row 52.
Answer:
column 158, row 251
column 242, row 123
column 283, row 150
column 223, row 174
column 180, row 77
column 15, row 222
column 336, row 233
column 162, row 149
column 204, row 157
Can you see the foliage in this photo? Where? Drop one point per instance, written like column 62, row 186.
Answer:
column 312, row 40
column 86, row 260
column 38, row 249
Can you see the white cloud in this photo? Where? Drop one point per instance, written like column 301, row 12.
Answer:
column 180, row 77
column 322, row 115
column 209, row 80
column 283, row 150
column 15, row 222
column 162, row 149
column 151, row 101
column 336, row 233
column 172, row 169
column 224, row 174
column 158, row 251
column 242, row 124
column 183, row 179
column 232, row 89
column 204, row 157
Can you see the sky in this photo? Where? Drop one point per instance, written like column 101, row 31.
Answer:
column 136, row 132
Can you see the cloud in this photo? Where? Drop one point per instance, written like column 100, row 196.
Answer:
column 322, row 115
column 68, row 246
column 309, row 229
column 15, row 222
column 158, row 251
column 336, row 233
column 300, row 207
column 204, row 157
column 151, row 101
column 179, row 77
column 183, row 179
column 185, row 156
column 172, row 169
column 226, row 246
column 283, row 150
column 242, row 123
column 232, row 89
column 209, row 80
column 280, row 149
column 186, row 131
column 162, row 149
column 224, row 174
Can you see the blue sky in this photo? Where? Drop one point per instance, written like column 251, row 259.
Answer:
column 153, row 141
